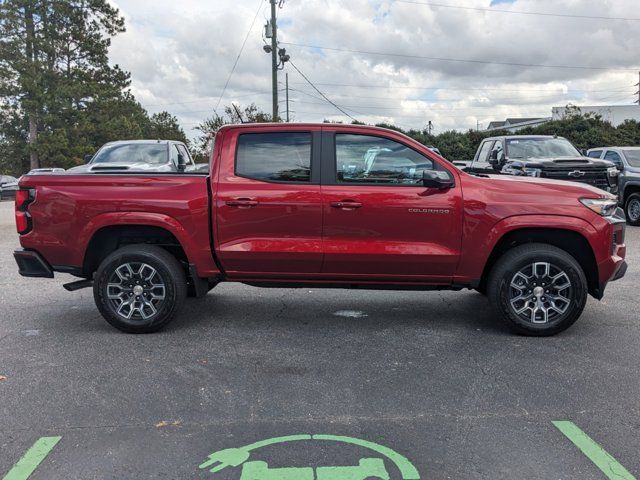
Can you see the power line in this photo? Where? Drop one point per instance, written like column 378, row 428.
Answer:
column 395, row 87
column 317, row 90
column 518, row 12
column 458, row 60
column 546, row 96
column 235, row 64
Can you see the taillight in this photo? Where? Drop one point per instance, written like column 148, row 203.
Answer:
column 23, row 219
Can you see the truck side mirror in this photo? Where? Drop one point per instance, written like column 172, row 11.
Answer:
column 87, row 158
column 436, row 179
column 182, row 164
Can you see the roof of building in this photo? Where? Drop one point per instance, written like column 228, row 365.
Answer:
column 513, row 121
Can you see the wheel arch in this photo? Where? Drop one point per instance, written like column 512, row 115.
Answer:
column 569, row 240
column 108, row 239
column 629, row 189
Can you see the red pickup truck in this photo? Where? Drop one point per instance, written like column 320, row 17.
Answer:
column 339, row 206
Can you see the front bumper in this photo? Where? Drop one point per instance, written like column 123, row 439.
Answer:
column 31, row 264
column 613, row 266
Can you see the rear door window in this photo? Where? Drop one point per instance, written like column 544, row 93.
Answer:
column 274, row 156
column 595, row 154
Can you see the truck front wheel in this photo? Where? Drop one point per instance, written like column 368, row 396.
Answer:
column 538, row 289
column 139, row 288
column 632, row 209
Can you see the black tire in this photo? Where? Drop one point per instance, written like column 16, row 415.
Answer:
column 539, row 315
column 169, row 282
column 631, row 209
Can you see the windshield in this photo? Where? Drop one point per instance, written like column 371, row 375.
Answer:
column 540, row 148
column 633, row 157
column 149, row 153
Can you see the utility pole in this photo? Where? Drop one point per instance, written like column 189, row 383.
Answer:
column 286, row 81
column 274, row 60
column 638, row 92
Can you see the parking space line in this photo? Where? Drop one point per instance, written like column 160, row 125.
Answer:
column 594, row 452
column 30, row 460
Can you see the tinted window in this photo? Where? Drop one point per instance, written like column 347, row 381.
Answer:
column 595, row 154
column 284, row 157
column 483, row 157
column 368, row 159
column 613, row 157
column 633, row 157
column 150, row 153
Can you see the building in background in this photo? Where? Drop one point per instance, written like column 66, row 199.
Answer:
column 614, row 114
column 515, row 124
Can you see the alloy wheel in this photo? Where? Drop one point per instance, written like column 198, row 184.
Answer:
column 136, row 291
column 540, row 292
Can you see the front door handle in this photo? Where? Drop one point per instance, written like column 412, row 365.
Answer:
column 242, row 202
column 346, row 204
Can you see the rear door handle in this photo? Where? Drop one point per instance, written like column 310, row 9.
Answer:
column 346, row 204
column 242, row 202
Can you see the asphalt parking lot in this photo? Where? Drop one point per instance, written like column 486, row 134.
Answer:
column 433, row 376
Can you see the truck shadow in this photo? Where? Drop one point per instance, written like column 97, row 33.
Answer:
column 248, row 307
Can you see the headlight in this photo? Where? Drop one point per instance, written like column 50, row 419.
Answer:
column 602, row 206
column 532, row 172
column 613, row 173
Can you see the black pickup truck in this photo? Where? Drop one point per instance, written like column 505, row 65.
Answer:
column 542, row 156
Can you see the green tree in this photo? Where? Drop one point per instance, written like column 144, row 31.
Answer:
column 53, row 68
column 165, row 126
column 232, row 114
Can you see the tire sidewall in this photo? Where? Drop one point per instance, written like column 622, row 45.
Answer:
column 578, row 300
column 636, row 197
column 157, row 321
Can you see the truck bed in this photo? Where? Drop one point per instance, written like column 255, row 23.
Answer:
column 69, row 209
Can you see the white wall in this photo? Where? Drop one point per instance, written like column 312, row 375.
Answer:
column 616, row 114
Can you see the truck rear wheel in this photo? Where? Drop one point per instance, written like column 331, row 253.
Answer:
column 139, row 288
column 538, row 289
column 632, row 209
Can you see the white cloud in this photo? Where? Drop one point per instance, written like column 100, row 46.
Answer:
column 180, row 54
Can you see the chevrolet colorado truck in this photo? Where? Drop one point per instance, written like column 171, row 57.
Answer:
column 339, row 206
column 542, row 156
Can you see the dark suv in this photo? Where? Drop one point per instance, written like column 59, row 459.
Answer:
column 542, row 156
column 627, row 160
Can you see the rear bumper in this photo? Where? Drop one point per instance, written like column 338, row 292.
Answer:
column 31, row 264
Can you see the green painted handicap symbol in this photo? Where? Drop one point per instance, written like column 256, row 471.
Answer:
column 368, row 468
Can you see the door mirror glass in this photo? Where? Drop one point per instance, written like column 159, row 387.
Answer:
column 436, row 179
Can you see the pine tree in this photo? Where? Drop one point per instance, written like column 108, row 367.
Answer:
column 53, row 67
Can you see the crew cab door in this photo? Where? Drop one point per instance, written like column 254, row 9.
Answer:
column 380, row 222
column 268, row 204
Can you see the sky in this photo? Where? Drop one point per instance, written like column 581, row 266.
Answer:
column 457, row 63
